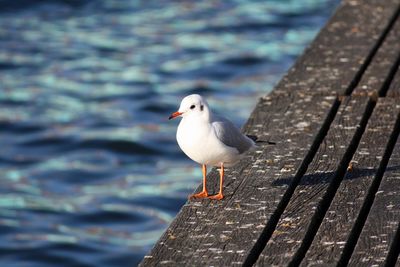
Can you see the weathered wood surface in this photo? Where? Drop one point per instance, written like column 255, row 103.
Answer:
column 281, row 203
column 297, row 217
column 222, row 233
column 342, row 49
column 329, row 242
column 394, row 88
column 380, row 72
column 332, row 235
column 378, row 233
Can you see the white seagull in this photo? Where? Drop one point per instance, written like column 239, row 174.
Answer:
column 209, row 139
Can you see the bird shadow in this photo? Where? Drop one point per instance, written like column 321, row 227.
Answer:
column 326, row 177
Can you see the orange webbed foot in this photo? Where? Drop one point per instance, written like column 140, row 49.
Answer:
column 202, row 194
column 219, row 196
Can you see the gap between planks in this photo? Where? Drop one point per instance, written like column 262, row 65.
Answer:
column 324, row 205
column 369, row 200
column 334, row 231
column 273, row 221
column 371, row 55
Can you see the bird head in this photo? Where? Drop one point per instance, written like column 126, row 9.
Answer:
column 192, row 105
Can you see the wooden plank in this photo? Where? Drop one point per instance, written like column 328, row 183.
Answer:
column 383, row 219
column 222, row 233
column 382, row 65
column 334, row 231
column 394, row 89
column 296, row 219
column 333, row 61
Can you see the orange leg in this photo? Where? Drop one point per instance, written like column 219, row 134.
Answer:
column 203, row 193
column 220, row 196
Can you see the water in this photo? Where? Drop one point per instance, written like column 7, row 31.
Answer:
column 90, row 172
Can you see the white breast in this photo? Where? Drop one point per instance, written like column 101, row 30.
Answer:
column 198, row 141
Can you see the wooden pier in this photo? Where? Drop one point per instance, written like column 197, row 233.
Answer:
column 328, row 192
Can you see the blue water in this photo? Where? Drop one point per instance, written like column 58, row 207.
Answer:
column 90, row 172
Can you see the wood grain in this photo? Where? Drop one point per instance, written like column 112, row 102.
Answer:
column 382, row 65
column 394, row 89
column 296, row 219
column 383, row 219
column 342, row 49
column 334, row 231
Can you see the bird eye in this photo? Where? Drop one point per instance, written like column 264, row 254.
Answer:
column 192, row 106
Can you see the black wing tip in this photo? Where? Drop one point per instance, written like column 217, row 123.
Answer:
column 255, row 139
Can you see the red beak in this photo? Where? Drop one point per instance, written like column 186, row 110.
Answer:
column 175, row 114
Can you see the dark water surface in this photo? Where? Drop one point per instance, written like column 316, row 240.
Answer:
column 90, row 172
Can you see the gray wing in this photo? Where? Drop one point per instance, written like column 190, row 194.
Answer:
column 230, row 135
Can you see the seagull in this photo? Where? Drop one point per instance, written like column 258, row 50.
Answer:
column 209, row 139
